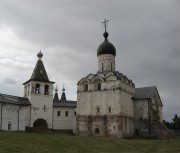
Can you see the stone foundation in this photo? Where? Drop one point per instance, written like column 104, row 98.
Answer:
column 107, row 125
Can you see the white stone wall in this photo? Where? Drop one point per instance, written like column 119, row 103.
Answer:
column 106, row 62
column 63, row 122
column 41, row 109
column 42, row 105
column 10, row 116
column 114, row 99
column 27, row 116
column 113, row 94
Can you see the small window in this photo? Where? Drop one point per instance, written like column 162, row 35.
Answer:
column 96, row 130
column 111, row 67
column 86, row 87
column 99, row 86
column 66, row 113
column 98, row 110
column 37, row 89
column 75, row 113
column 114, row 88
column 9, row 126
column 109, row 109
column 46, row 90
column 58, row 113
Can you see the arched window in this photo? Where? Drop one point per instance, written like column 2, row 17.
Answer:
column 96, row 130
column 86, row 87
column 9, row 126
column 102, row 67
column 109, row 109
column 46, row 90
column 58, row 113
column 37, row 89
column 99, row 86
column 97, row 109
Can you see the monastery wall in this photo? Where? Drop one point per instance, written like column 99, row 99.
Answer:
column 63, row 122
column 13, row 117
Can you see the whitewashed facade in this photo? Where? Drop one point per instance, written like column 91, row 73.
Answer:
column 13, row 112
column 108, row 104
column 64, row 113
column 104, row 100
column 37, row 109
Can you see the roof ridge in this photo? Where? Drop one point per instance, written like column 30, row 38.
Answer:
column 10, row 95
column 145, row 87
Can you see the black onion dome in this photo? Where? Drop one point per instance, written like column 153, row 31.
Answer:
column 40, row 54
column 106, row 47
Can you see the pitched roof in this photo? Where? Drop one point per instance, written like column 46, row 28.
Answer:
column 14, row 100
column 63, row 96
column 144, row 92
column 39, row 73
column 56, row 97
column 65, row 103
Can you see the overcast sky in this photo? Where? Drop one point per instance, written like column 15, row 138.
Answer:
column 146, row 35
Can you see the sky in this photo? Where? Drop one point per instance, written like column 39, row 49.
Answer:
column 146, row 35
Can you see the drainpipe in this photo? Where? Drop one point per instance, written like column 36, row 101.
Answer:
column 1, row 115
column 18, row 117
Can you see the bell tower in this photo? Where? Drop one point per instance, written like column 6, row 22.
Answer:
column 39, row 90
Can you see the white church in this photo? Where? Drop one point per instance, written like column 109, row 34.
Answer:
column 108, row 103
column 38, row 109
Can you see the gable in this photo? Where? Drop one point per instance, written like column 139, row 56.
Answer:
column 148, row 93
column 156, row 98
column 143, row 93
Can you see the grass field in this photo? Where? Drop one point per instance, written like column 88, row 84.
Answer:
column 53, row 142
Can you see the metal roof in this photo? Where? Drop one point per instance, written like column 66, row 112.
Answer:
column 106, row 47
column 144, row 92
column 14, row 100
column 39, row 73
column 65, row 103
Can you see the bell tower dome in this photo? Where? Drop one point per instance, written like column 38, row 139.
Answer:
column 106, row 53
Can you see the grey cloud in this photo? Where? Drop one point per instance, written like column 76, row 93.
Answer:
column 146, row 35
column 10, row 81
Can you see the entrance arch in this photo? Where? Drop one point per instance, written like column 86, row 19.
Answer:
column 40, row 124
